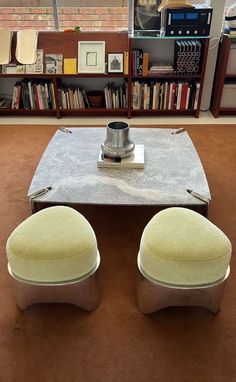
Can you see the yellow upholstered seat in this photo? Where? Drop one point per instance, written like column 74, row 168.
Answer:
column 53, row 257
column 181, row 247
column 56, row 244
column 183, row 260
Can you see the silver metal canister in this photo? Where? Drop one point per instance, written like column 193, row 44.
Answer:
column 117, row 143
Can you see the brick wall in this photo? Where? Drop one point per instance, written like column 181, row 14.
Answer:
column 23, row 17
column 91, row 18
column 88, row 18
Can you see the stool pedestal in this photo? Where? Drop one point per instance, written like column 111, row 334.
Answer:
column 83, row 292
column 153, row 296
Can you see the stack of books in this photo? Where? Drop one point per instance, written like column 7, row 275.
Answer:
column 232, row 32
column 135, row 160
column 229, row 31
column 160, row 68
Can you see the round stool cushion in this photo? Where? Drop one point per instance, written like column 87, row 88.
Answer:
column 182, row 247
column 54, row 245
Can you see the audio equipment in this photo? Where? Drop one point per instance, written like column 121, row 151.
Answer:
column 187, row 21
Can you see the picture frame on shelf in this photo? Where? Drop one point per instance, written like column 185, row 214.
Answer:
column 91, row 57
column 115, row 62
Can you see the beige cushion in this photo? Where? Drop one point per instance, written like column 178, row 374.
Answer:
column 180, row 246
column 5, row 47
column 26, row 46
column 56, row 244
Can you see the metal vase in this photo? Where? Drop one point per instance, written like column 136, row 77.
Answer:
column 117, row 143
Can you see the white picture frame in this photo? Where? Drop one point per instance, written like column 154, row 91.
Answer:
column 91, row 57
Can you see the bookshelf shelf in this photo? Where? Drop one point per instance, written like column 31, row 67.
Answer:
column 4, row 111
column 92, row 75
column 137, row 36
column 82, row 75
column 163, row 112
column 167, row 76
column 67, row 45
column 93, row 111
column 27, row 75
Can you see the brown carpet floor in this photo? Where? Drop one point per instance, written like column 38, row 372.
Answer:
column 115, row 343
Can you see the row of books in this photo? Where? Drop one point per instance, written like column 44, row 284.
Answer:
column 116, row 97
column 40, row 95
column 33, row 95
column 165, row 95
column 146, row 95
column 72, row 98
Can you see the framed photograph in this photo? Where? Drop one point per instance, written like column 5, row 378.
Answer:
column 115, row 62
column 91, row 57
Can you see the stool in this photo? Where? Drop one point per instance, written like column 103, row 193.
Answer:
column 183, row 260
column 53, row 257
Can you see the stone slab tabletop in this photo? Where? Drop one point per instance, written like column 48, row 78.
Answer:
column 69, row 166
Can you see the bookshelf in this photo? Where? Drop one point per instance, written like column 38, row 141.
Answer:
column 162, row 49
column 67, row 44
column 224, row 90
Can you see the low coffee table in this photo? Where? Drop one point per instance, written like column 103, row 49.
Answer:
column 69, row 166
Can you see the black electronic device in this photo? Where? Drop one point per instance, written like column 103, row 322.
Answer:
column 187, row 21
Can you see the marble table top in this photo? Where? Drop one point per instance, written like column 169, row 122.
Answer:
column 69, row 166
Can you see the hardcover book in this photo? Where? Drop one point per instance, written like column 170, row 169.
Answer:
column 135, row 160
column 70, row 66
column 9, row 69
column 38, row 66
column 126, row 62
column 53, row 63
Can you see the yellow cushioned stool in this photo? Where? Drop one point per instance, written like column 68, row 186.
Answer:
column 183, row 260
column 53, row 257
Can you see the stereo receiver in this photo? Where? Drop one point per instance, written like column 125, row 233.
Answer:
column 187, row 21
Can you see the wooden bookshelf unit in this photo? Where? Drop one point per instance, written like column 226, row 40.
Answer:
column 66, row 43
column 162, row 49
column 225, row 78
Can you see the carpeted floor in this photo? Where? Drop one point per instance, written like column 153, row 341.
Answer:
column 116, row 343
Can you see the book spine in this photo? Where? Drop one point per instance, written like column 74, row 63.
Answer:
column 145, row 63
column 126, row 63
column 196, row 96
